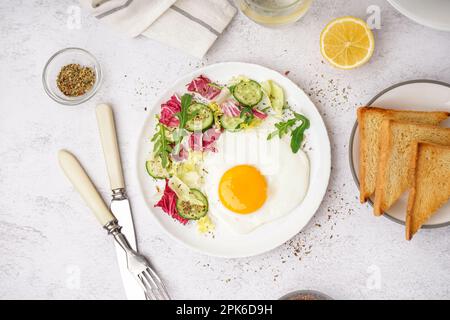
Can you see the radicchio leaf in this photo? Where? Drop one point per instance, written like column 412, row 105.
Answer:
column 259, row 114
column 168, row 111
column 204, row 141
column 204, row 87
column 230, row 108
column 182, row 155
column 168, row 204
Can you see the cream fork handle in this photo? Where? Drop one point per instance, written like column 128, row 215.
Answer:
column 107, row 127
column 80, row 180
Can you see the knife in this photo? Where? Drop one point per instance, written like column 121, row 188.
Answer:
column 120, row 206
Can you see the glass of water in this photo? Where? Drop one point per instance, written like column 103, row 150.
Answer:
column 274, row 12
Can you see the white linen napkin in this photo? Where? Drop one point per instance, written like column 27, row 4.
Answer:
column 189, row 25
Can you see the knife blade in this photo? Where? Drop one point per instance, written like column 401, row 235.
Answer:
column 122, row 210
column 120, row 205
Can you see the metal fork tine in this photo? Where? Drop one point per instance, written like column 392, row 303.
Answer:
column 148, row 291
column 159, row 283
column 148, row 281
column 148, row 295
column 154, row 275
column 139, row 266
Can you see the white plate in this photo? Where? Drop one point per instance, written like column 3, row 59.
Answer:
column 431, row 13
column 268, row 236
column 421, row 95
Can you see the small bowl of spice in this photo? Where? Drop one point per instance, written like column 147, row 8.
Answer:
column 71, row 76
column 305, row 295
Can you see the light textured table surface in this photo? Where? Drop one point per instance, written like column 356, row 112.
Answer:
column 52, row 248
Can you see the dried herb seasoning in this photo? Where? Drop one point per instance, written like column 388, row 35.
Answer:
column 75, row 80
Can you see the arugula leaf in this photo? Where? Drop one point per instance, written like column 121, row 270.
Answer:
column 161, row 146
column 297, row 134
column 272, row 135
column 247, row 114
column 186, row 100
column 282, row 128
column 184, row 116
column 302, row 118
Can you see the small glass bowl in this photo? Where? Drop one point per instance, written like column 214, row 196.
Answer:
column 305, row 295
column 60, row 59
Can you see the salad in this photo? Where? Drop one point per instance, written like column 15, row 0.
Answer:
column 188, row 127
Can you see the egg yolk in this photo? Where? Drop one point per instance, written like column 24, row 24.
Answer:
column 243, row 189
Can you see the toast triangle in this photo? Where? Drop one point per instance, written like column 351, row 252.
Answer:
column 369, row 123
column 393, row 171
column 430, row 184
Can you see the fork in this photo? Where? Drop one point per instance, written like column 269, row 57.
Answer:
column 137, row 264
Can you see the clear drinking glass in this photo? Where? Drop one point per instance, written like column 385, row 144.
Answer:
column 274, row 12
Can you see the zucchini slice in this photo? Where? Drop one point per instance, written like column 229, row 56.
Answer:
column 248, row 93
column 231, row 123
column 203, row 118
column 155, row 169
column 191, row 211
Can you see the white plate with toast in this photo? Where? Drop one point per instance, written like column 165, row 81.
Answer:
column 416, row 95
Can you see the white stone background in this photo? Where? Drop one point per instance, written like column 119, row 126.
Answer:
column 48, row 236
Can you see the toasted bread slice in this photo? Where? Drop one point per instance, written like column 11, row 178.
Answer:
column 395, row 155
column 430, row 184
column 369, row 123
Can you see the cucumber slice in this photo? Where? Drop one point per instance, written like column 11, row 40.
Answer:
column 231, row 123
column 155, row 169
column 182, row 190
column 276, row 97
column 266, row 87
column 249, row 93
column 190, row 210
column 203, row 119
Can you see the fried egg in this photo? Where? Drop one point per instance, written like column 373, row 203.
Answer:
column 251, row 181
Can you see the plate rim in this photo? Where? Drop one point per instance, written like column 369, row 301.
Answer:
column 352, row 137
column 413, row 17
column 256, row 252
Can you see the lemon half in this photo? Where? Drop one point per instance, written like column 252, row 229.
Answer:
column 347, row 42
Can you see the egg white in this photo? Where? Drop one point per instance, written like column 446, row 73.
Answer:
column 286, row 173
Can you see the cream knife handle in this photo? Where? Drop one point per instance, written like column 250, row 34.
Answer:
column 80, row 180
column 107, row 127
